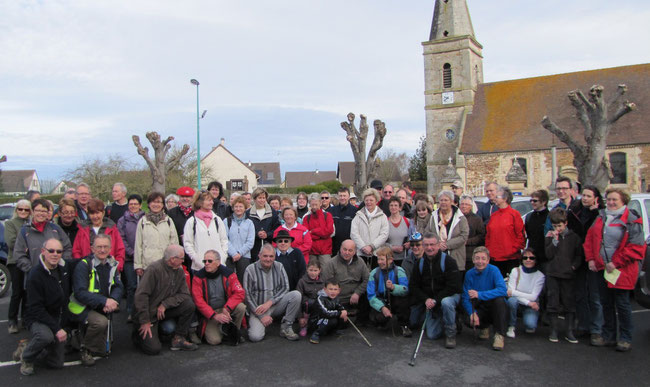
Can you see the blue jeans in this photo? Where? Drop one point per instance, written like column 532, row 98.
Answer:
column 130, row 284
column 439, row 318
column 588, row 307
column 613, row 301
column 529, row 316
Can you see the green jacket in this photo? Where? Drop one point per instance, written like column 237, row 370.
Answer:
column 12, row 228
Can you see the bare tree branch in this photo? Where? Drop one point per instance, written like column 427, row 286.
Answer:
column 584, row 108
column 622, row 110
column 143, row 151
column 175, row 160
column 620, row 92
column 549, row 125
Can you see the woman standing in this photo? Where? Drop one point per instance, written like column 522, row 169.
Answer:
column 265, row 220
column 421, row 219
column 155, row 231
column 476, row 236
column 21, row 216
column 450, row 227
column 218, row 207
column 98, row 224
column 369, row 229
column 127, row 225
column 204, row 231
column 615, row 244
column 301, row 236
column 241, row 238
column 301, row 205
column 398, row 231
column 505, row 233
column 67, row 218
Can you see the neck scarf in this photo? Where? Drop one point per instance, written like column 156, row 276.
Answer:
column 185, row 210
column 40, row 226
column 205, row 216
column 156, row 218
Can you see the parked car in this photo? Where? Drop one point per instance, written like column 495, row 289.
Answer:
column 519, row 203
column 5, row 277
column 6, row 211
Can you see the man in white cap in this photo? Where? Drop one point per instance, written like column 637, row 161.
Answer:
column 458, row 188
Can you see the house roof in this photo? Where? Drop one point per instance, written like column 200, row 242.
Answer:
column 16, row 181
column 263, row 170
column 230, row 153
column 506, row 115
column 345, row 172
column 297, row 179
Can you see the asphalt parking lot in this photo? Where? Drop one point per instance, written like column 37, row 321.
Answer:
column 347, row 360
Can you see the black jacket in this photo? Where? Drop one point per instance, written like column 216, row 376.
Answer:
column 342, row 216
column 221, row 209
column 565, row 256
column 294, row 265
column 584, row 216
column 268, row 224
column 534, row 225
column 325, row 308
column 476, row 235
column 71, row 230
column 179, row 221
column 432, row 282
column 48, row 296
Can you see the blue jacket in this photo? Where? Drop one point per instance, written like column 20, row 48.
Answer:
column 241, row 236
column 81, row 284
column 489, row 283
column 376, row 291
column 486, row 210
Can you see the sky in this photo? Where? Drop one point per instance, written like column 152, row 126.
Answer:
column 79, row 78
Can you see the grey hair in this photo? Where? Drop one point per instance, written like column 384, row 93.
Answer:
column 121, row 185
column 267, row 246
column 507, row 194
column 466, row 197
column 51, row 239
column 430, row 235
column 172, row 196
column 213, row 252
column 446, row 193
column 102, row 236
column 235, row 195
column 481, row 249
column 314, row 196
column 22, row 202
column 83, row 185
column 172, row 251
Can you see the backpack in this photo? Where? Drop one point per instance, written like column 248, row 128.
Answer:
column 216, row 224
column 443, row 258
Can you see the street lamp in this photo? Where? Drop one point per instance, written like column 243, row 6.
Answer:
column 198, row 137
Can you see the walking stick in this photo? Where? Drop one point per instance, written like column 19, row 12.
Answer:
column 417, row 347
column 109, row 333
column 358, row 331
column 473, row 302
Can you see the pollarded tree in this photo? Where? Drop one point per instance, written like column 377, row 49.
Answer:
column 160, row 165
column 597, row 117
column 364, row 167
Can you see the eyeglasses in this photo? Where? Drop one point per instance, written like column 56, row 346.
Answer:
column 416, row 244
column 528, row 258
column 68, row 213
column 102, row 247
column 534, row 200
column 42, row 211
column 54, row 251
column 324, row 197
column 388, row 192
column 562, row 188
column 284, row 240
column 208, row 261
column 23, row 209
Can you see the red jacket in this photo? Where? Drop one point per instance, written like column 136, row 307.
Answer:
column 301, row 238
column 81, row 247
column 321, row 228
column 505, row 235
column 234, row 293
column 629, row 252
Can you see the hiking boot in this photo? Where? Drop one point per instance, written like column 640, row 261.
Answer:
column 623, row 346
column 498, row 342
column 26, row 368
column 303, row 332
column 597, row 340
column 511, row 332
column 13, row 328
column 406, row 332
column 570, row 338
column 288, row 333
column 194, row 338
column 553, row 336
column 570, row 318
column 18, row 353
column 87, row 358
column 180, row 344
column 315, row 338
column 450, row 342
column 484, row 334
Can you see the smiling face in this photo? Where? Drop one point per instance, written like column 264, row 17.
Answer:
column 313, row 272
column 260, row 201
column 387, row 192
column 537, row 203
column 384, row 261
column 239, row 209
column 563, row 189
column 302, row 201
column 417, row 248
column 67, row 214
column 394, row 208
column 214, row 191
column 371, row 202
column 289, row 217
column 96, row 218
column 134, row 206
column 267, row 257
column 480, row 261
column 444, row 203
column 185, row 201
column 101, row 248
column 491, row 191
column 347, row 250
column 431, row 246
column 156, row 205
column 52, row 253
column 23, row 211
column 275, row 204
column 528, row 260
column 344, row 198
column 40, row 213
column 465, row 206
column 283, row 244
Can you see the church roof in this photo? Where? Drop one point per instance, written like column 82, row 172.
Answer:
column 506, row 115
column 451, row 19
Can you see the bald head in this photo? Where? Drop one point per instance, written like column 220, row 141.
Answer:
column 348, row 249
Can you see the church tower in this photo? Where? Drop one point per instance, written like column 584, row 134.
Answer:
column 453, row 68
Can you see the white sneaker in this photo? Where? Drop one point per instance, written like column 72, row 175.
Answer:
column 511, row 332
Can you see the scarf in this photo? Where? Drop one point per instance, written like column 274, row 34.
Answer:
column 205, row 216
column 157, row 217
column 422, row 223
column 442, row 224
column 613, row 214
column 527, row 270
column 185, row 210
column 238, row 220
column 40, row 226
column 214, row 275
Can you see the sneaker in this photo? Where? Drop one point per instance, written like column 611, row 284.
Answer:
column 13, row 328
column 315, row 338
column 553, row 337
column 26, row 368
column 180, row 344
column 194, row 338
column 18, row 353
column 511, row 332
column 498, row 342
column 303, row 332
column 597, row 340
column 623, row 346
column 450, row 342
column 484, row 334
column 87, row 358
column 570, row 338
column 288, row 333
column 530, row 330
column 406, row 332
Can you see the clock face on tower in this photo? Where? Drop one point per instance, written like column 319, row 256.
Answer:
column 447, row 97
column 450, row 135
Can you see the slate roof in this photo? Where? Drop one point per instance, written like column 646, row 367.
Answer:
column 263, row 170
column 17, row 180
column 297, row 179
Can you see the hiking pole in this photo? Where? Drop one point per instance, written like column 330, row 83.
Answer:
column 109, row 331
column 417, row 347
column 359, row 332
column 473, row 302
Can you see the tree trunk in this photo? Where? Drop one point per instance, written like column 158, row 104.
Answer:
column 160, row 165
column 364, row 167
column 593, row 112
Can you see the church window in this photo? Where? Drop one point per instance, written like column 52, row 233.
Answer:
column 522, row 164
column 618, row 164
column 446, row 75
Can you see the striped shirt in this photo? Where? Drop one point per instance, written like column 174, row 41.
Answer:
column 261, row 285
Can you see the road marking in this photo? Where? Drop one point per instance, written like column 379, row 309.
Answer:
column 641, row 311
column 66, row 364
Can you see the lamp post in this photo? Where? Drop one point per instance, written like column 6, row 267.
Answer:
column 198, row 136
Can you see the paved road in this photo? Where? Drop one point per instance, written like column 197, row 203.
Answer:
column 347, row 360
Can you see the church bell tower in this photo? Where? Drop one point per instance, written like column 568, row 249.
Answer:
column 453, row 68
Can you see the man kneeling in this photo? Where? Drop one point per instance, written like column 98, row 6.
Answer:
column 97, row 291
column 484, row 293
column 387, row 292
column 219, row 297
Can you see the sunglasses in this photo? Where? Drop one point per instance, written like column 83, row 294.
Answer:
column 416, row 243
column 52, row 251
column 324, row 197
column 528, row 258
column 208, row 261
column 534, row 200
column 284, row 240
column 23, row 209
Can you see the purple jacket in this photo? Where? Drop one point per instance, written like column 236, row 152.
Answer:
column 127, row 226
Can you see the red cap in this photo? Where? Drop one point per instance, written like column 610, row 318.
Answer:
column 185, row 191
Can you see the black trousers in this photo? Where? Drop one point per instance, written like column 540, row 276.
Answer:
column 359, row 310
column 491, row 312
column 399, row 306
column 18, row 295
column 505, row 267
column 560, row 295
column 183, row 313
column 325, row 326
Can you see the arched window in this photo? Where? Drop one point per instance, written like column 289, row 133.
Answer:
column 446, row 75
column 523, row 164
column 618, row 164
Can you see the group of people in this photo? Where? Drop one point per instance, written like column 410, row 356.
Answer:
column 199, row 268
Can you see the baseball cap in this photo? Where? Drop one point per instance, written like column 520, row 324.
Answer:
column 457, row 184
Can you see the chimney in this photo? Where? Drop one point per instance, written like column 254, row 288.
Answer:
column 223, row 141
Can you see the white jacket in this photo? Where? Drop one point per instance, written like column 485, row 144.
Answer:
column 369, row 230
column 526, row 288
column 197, row 241
column 151, row 240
